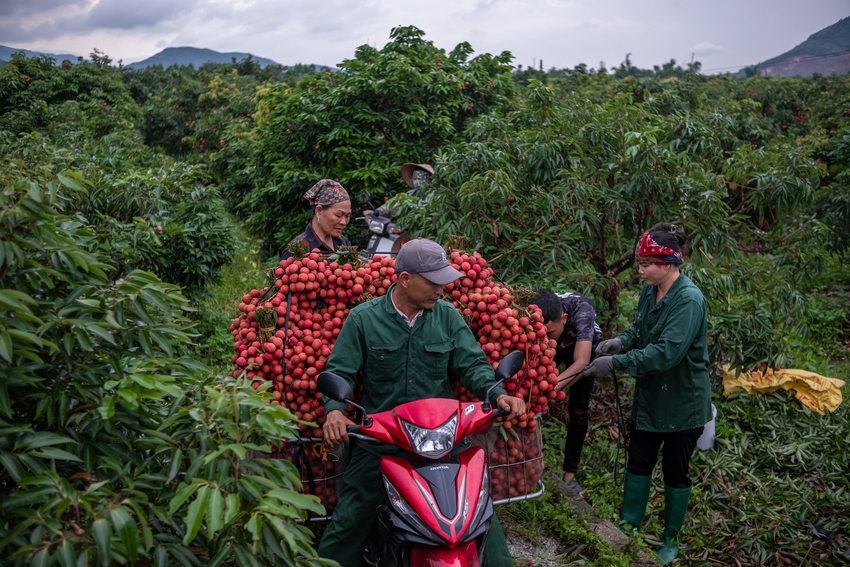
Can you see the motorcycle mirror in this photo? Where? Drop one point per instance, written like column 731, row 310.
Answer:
column 334, row 386
column 368, row 198
column 509, row 366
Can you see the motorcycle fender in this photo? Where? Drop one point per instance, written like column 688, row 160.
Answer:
column 417, row 493
column 465, row 555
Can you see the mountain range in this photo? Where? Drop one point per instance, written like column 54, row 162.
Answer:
column 196, row 57
column 826, row 52
column 6, row 54
column 169, row 56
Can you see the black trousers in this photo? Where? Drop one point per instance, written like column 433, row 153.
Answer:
column 577, row 408
column 577, row 429
column 677, row 448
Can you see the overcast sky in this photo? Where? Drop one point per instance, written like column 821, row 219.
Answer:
column 721, row 34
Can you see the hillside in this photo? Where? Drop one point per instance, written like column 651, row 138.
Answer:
column 196, row 57
column 826, row 52
column 6, row 54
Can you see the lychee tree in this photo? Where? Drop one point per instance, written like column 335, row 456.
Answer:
column 558, row 192
column 385, row 107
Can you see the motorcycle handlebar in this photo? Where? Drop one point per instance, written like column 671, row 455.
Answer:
column 354, row 432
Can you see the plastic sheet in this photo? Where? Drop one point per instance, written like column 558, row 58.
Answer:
column 818, row 393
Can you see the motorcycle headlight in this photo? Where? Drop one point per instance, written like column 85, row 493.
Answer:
column 432, row 443
column 377, row 226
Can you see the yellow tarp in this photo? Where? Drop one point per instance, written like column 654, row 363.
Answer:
column 816, row 392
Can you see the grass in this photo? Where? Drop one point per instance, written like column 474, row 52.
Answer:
column 549, row 518
column 217, row 312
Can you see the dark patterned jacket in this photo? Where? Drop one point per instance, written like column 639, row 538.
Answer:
column 580, row 326
column 313, row 242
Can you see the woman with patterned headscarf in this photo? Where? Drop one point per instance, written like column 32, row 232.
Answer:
column 331, row 212
column 667, row 353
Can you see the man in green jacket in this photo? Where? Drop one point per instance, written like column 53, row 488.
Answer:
column 403, row 345
column 666, row 351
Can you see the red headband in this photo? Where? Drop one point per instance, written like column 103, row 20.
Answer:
column 648, row 247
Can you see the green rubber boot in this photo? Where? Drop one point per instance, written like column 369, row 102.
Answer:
column 675, row 505
column 635, row 496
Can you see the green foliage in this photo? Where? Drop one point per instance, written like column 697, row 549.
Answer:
column 116, row 447
column 833, row 205
column 216, row 312
column 559, row 191
column 29, row 86
column 387, row 107
column 188, row 112
column 776, row 466
column 148, row 212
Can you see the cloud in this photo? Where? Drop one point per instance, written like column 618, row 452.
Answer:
column 119, row 14
column 705, row 48
column 46, row 19
column 561, row 32
column 25, row 8
column 29, row 20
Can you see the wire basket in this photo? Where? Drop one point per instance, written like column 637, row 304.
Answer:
column 320, row 469
column 515, row 461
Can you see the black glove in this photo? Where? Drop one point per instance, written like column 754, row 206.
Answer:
column 602, row 366
column 610, row 346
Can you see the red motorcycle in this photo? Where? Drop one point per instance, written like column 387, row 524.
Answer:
column 438, row 507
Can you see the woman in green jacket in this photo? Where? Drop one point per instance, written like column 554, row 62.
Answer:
column 667, row 353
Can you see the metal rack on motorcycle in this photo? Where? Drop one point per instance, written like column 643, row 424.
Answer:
column 515, row 462
column 320, row 469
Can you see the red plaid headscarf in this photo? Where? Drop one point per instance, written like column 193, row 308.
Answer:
column 325, row 193
column 648, row 247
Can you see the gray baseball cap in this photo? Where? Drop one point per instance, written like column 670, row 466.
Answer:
column 428, row 259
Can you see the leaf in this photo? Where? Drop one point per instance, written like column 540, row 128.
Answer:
column 155, row 297
column 101, row 332
column 245, row 559
column 5, row 345
column 41, row 558
column 255, row 526
column 232, row 505
column 44, row 438
column 12, row 466
column 195, row 515
column 221, row 556
column 70, row 180
column 26, row 337
column 176, row 461
column 107, row 408
column 215, row 510
column 66, row 554
column 54, row 453
column 160, row 556
column 182, row 495
column 128, row 532
column 5, row 402
column 102, row 532
column 297, row 500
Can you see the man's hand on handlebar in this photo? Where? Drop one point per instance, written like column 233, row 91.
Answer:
column 514, row 407
column 333, row 430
